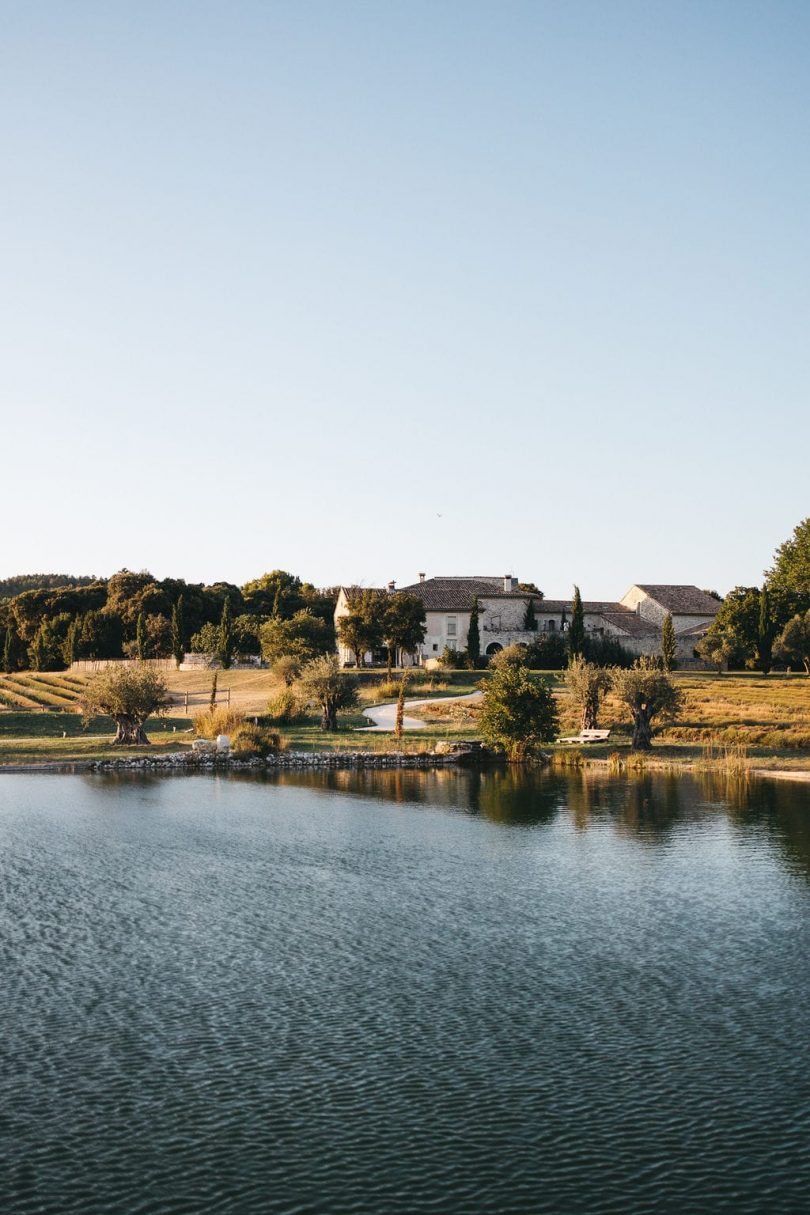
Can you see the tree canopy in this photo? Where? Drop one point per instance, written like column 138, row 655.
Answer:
column 793, row 643
column 403, row 621
column 362, row 629
column 129, row 694
column 323, row 682
column 587, row 684
column 789, row 576
column 519, row 712
column 648, row 692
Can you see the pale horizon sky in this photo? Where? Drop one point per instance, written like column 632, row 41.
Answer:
column 363, row 289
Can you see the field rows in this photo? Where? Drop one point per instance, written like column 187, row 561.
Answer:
column 32, row 690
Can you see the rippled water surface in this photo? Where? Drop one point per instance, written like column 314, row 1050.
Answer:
column 403, row 992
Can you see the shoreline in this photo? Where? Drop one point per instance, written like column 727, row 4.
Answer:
column 190, row 764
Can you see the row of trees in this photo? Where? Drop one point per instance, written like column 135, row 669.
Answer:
column 130, row 614
column 520, row 711
column 760, row 625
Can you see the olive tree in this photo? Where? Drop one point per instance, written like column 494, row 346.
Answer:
column 129, row 694
column 648, row 693
column 519, row 712
column 323, row 682
column 587, row 684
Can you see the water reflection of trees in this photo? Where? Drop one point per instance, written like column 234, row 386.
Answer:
column 646, row 806
column 781, row 810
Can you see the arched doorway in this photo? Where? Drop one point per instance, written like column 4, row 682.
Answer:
column 493, row 648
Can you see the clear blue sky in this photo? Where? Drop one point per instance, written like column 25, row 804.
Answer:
column 364, row 289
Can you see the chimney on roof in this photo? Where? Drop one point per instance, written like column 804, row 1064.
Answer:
column 421, row 577
column 509, row 583
column 392, row 586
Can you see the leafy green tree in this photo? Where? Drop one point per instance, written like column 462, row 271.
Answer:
column 225, row 641
column 403, row 623
column 287, row 668
column 519, row 712
column 576, row 629
column 246, row 631
column 716, row 649
column 206, row 641
column 304, row 636
column 323, row 682
column 668, row 644
column 474, row 636
column 45, row 653
column 587, row 685
column 178, row 633
column 793, row 643
column 275, row 594
column 129, row 694
column 649, row 693
column 737, row 625
column 362, row 629
column 789, row 577
column 101, row 635
column 72, row 642
column 515, row 655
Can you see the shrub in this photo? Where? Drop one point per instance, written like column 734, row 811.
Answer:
column 453, row 660
column 547, row 652
column 213, row 722
column 510, row 656
column 250, row 740
column 285, row 708
column 519, row 712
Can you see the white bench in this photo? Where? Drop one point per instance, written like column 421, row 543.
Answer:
column 587, row 736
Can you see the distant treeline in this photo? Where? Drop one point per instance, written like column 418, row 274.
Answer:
column 57, row 619
column 9, row 587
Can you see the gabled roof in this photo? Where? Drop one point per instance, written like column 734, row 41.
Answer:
column 682, row 600
column 354, row 592
column 457, row 594
column 630, row 623
column 697, row 630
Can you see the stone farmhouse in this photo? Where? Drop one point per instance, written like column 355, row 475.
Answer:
column 635, row 621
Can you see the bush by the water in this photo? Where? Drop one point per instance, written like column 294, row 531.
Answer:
column 214, row 722
column 254, row 741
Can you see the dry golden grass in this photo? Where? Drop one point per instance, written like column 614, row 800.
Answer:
column 762, row 711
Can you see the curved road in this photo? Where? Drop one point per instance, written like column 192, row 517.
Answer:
column 384, row 717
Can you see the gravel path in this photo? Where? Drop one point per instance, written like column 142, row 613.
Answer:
column 384, row 717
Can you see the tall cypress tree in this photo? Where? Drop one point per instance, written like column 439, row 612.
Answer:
column 474, row 636
column 70, row 646
column 178, row 646
column 765, row 632
column 12, row 649
column 576, row 630
column 668, row 644
column 530, row 618
column 225, row 651
column 140, row 637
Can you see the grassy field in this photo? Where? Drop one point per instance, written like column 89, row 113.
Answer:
column 769, row 716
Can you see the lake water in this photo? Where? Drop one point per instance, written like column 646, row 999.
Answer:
column 403, row 992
